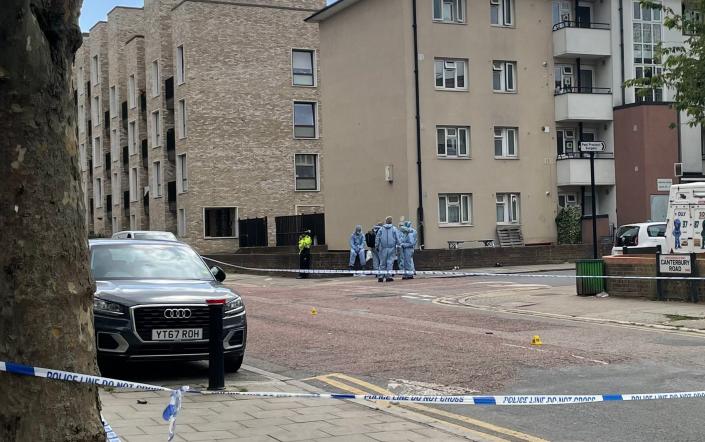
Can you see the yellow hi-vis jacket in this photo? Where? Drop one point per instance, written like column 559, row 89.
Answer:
column 304, row 243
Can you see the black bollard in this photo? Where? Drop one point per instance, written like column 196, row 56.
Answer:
column 216, row 361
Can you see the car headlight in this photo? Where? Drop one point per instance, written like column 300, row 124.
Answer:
column 103, row 306
column 234, row 305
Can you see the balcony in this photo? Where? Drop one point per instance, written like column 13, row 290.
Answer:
column 574, row 170
column 583, row 104
column 581, row 40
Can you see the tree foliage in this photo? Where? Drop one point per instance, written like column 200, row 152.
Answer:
column 569, row 225
column 683, row 63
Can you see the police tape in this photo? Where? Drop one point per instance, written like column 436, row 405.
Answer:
column 450, row 273
column 110, row 435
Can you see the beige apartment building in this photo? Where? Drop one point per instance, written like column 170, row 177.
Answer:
column 482, row 159
column 201, row 117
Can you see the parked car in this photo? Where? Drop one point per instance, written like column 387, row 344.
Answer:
column 640, row 236
column 145, row 234
column 150, row 303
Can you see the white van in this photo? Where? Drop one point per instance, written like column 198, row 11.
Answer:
column 686, row 219
column 145, row 234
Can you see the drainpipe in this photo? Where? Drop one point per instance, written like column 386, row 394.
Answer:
column 419, row 210
column 621, row 51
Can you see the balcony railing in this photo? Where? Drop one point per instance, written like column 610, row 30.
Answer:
column 580, row 24
column 584, row 155
column 581, row 90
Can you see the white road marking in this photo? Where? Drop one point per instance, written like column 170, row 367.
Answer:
column 591, row 360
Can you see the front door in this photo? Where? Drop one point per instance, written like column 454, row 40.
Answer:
column 582, row 16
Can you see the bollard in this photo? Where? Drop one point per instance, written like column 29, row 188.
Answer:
column 216, row 361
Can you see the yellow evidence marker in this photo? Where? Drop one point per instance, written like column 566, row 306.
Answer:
column 536, row 341
column 314, row 312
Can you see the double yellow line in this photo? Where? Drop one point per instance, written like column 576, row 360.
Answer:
column 472, row 426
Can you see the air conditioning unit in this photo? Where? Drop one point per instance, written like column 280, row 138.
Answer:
column 678, row 169
column 565, row 17
column 389, row 173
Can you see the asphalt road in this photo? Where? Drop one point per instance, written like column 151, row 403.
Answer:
column 398, row 337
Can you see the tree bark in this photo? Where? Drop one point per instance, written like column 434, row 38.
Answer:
column 46, row 308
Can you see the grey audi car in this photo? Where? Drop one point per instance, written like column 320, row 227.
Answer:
column 150, row 303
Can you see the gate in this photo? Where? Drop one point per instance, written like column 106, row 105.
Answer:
column 290, row 227
column 253, row 232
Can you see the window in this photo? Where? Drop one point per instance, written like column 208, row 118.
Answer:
column 98, row 192
column 182, row 118
column 304, row 119
column 155, row 78
column 97, row 152
column 453, row 142
column 455, row 208
column 156, row 130
column 95, row 66
column 504, row 76
column 220, row 222
column 114, row 142
column 502, row 12
column 566, row 142
column 180, row 66
column 450, row 74
column 505, row 142
column 96, row 111
column 132, row 92
column 507, row 208
column 449, row 11
column 563, row 78
column 181, row 222
column 133, row 184
column 157, row 179
column 303, row 67
column 132, row 137
column 692, row 18
column 181, row 174
column 306, row 171
column 567, row 200
column 113, row 102
column 646, row 35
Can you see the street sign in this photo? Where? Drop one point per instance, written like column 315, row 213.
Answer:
column 664, row 184
column 675, row 264
column 592, row 146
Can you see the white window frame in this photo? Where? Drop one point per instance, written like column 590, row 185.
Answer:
column 511, row 203
column 181, row 222
column 446, row 66
column 235, row 227
column 132, row 137
column 95, row 70
column 314, row 66
column 570, row 141
column 180, row 65
column 463, row 201
column 157, row 179
column 97, row 152
column 132, row 91
column 156, row 134
column 450, row 133
column 181, row 118
column 98, row 192
column 134, row 185
column 458, row 9
column 317, row 165
column 566, row 197
column 113, row 101
column 154, row 77
column 505, row 13
column 508, row 83
column 315, row 119
column 504, row 134
column 181, row 173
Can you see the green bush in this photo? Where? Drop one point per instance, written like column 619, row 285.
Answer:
column 569, row 224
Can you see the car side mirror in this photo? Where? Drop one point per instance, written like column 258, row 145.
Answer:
column 218, row 273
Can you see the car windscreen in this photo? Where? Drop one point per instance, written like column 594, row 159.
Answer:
column 155, row 236
column 657, row 230
column 626, row 236
column 147, row 261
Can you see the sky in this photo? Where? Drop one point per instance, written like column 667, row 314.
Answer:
column 95, row 10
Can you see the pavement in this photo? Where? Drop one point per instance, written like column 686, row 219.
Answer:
column 135, row 416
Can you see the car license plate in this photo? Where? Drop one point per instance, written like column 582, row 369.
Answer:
column 177, row 334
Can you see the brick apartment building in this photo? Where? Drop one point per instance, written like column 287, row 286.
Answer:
column 201, row 117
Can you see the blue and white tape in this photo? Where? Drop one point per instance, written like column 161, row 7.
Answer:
column 109, row 433
column 451, row 273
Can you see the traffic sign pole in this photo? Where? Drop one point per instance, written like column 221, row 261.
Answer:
column 594, row 209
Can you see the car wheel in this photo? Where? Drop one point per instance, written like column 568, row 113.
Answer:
column 233, row 363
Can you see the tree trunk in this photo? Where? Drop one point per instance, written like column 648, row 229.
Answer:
column 46, row 308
